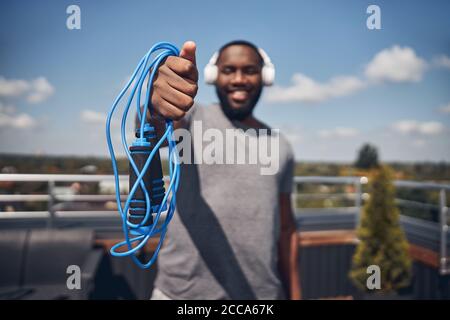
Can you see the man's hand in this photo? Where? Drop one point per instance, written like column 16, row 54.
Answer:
column 175, row 86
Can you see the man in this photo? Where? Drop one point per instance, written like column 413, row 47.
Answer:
column 233, row 234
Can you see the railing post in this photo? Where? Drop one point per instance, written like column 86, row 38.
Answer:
column 358, row 197
column 444, row 230
column 51, row 203
column 358, row 201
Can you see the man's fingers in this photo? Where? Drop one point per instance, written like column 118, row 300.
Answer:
column 177, row 98
column 177, row 82
column 183, row 67
column 169, row 111
column 188, row 51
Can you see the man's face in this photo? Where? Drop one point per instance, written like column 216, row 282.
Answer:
column 239, row 81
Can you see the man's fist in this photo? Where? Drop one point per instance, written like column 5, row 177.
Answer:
column 175, row 84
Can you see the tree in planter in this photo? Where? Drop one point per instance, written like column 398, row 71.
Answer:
column 382, row 241
column 367, row 157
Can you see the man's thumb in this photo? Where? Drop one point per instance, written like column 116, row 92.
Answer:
column 188, row 51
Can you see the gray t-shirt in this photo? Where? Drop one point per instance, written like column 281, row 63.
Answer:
column 222, row 242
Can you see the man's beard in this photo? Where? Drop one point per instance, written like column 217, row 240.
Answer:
column 243, row 111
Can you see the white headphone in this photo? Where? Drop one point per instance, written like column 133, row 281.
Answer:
column 268, row 71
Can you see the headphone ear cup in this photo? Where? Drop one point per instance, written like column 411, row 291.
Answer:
column 268, row 74
column 210, row 72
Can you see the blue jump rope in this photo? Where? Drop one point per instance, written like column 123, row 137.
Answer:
column 147, row 195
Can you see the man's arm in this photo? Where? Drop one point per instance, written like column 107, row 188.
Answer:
column 288, row 248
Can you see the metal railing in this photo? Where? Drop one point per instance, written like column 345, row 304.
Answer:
column 357, row 196
column 52, row 197
column 443, row 215
column 356, row 182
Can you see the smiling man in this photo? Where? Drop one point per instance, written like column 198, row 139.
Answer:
column 233, row 235
column 239, row 80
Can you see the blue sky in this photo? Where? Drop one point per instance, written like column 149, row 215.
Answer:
column 338, row 83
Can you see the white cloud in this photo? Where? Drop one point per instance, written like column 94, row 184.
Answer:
column 41, row 89
column 20, row 121
column 36, row 90
column 339, row 132
column 6, row 108
column 442, row 61
column 305, row 89
column 95, row 117
column 419, row 143
column 294, row 137
column 405, row 126
column 10, row 119
column 293, row 134
column 413, row 126
column 445, row 109
column 13, row 88
column 431, row 128
column 396, row 64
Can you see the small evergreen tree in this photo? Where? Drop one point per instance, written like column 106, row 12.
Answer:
column 382, row 241
column 367, row 157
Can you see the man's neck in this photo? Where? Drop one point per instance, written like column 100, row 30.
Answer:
column 252, row 122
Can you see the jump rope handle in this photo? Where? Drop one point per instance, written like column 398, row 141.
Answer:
column 153, row 178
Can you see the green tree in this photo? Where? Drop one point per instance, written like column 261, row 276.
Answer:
column 382, row 241
column 367, row 157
